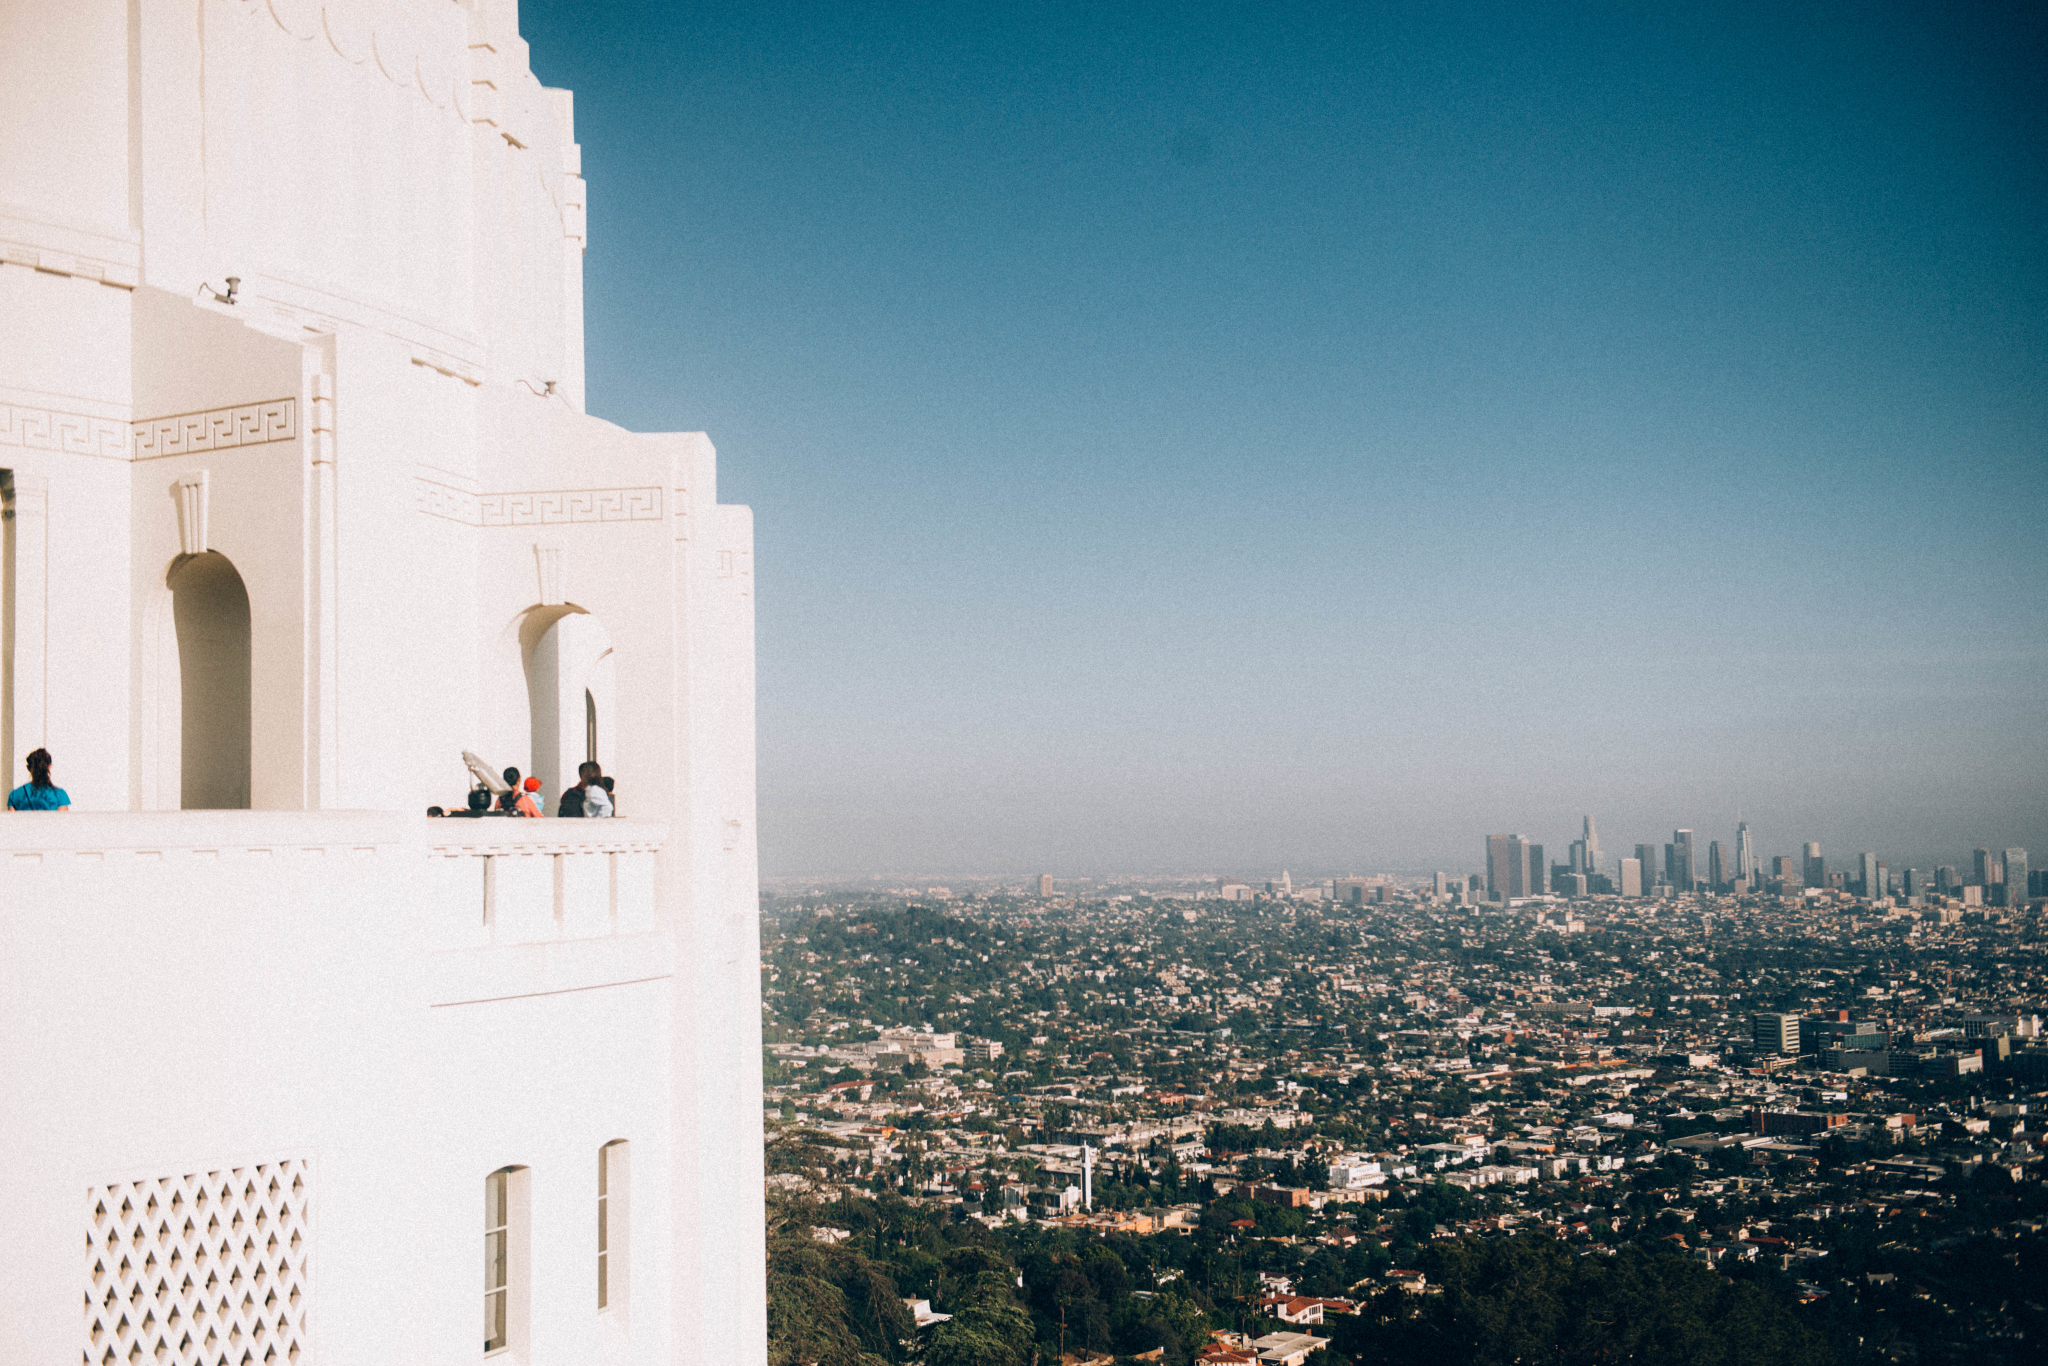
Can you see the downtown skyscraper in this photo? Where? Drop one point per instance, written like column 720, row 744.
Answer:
column 1680, row 867
column 1514, row 868
column 1646, row 859
column 1747, row 867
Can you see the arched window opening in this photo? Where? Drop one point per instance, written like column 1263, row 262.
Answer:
column 210, row 613
column 570, row 685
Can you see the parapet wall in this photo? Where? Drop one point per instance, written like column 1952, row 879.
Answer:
column 375, row 1010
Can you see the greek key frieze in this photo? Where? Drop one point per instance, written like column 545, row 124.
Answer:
column 219, row 429
column 46, row 429
column 539, row 507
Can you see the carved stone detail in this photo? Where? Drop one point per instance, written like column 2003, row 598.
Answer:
column 548, row 560
column 218, row 429
column 201, row 1266
column 192, row 514
column 552, row 507
column 46, row 429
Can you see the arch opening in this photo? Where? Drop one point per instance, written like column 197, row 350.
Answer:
column 210, row 616
column 570, row 686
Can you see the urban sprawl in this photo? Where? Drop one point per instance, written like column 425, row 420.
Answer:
column 1663, row 1107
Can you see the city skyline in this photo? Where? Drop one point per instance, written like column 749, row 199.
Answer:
column 1838, row 857
column 1181, row 438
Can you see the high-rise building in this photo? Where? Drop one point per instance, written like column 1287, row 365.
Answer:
column 1575, row 855
column 1538, row 878
column 1980, row 867
column 1746, row 865
column 1913, row 884
column 1785, row 869
column 1868, row 884
column 1775, row 1033
column 1439, row 885
column 1590, row 837
column 1678, row 861
column 1688, row 865
column 1045, row 884
column 1507, row 867
column 1646, row 857
column 1945, row 878
column 2015, row 879
column 1813, row 868
column 1631, row 877
column 1717, row 876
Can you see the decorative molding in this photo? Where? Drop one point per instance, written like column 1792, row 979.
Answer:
column 452, row 504
column 201, row 1266
column 192, row 514
column 595, row 844
column 110, row 255
column 548, row 559
column 218, row 429
column 46, row 429
column 395, row 40
column 552, row 507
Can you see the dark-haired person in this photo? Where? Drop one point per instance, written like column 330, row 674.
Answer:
column 508, row 800
column 39, row 793
column 587, row 797
column 572, row 795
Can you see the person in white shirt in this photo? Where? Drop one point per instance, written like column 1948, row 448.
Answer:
column 590, row 782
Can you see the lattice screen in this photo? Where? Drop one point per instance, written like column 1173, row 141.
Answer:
column 206, row 1269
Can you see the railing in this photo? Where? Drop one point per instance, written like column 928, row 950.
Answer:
column 532, row 882
column 489, row 882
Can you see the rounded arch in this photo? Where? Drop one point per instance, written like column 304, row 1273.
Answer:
column 210, row 617
column 571, row 689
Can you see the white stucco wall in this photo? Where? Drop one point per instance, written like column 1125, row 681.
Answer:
column 383, row 433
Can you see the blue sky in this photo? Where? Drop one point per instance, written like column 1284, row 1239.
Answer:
column 1234, row 437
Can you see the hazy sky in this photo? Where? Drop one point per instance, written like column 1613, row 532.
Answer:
column 1234, row 437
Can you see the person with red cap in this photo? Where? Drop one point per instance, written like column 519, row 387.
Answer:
column 528, row 803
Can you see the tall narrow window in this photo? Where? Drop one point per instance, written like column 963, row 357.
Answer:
column 497, row 1261
column 604, row 1223
column 589, row 726
column 612, row 1240
column 505, row 1260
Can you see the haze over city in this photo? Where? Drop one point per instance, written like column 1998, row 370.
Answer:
column 1192, row 437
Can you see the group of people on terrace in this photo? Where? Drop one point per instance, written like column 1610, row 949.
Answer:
column 590, row 796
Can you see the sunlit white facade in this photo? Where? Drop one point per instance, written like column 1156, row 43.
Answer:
column 291, row 1071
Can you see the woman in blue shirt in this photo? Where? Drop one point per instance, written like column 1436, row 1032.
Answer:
column 39, row 793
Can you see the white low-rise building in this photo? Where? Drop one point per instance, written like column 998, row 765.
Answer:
column 301, row 504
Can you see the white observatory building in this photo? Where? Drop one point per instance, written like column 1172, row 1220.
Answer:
column 301, row 503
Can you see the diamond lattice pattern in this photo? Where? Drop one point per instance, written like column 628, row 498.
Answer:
column 207, row 1269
